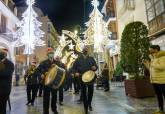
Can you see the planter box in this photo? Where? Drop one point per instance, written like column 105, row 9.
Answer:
column 139, row 88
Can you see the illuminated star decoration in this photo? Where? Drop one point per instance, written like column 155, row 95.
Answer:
column 62, row 40
column 71, row 46
column 29, row 33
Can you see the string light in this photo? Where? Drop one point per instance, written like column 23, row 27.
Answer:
column 29, row 33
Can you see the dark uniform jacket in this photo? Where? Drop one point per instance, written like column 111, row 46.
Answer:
column 83, row 64
column 30, row 77
column 6, row 72
column 45, row 65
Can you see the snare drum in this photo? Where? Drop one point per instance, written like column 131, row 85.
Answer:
column 55, row 77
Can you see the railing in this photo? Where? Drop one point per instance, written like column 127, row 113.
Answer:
column 157, row 25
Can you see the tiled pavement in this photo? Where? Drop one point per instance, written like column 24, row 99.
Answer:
column 113, row 102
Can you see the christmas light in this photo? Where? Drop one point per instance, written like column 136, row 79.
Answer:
column 29, row 33
column 71, row 46
column 97, row 32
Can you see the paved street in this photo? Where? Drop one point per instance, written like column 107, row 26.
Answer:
column 114, row 102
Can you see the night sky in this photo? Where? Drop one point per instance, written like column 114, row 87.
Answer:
column 65, row 14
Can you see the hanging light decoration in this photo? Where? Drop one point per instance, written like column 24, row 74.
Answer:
column 29, row 33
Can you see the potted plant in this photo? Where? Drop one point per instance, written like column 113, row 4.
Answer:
column 134, row 48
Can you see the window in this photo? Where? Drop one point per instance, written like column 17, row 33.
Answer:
column 3, row 24
column 150, row 14
column 159, row 7
column 154, row 8
column 131, row 4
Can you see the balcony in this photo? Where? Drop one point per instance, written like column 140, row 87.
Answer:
column 157, row 25
column 11, row 5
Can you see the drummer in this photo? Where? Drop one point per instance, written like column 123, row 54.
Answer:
column 83, row 64
column 42, row 69
column 60, row 90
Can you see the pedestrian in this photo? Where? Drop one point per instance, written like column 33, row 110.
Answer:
column 31, row 81
column 58, row 62
column 83, row 64
column 6, row 72
column 43, row 68
column 156, row 65
column 105, row 74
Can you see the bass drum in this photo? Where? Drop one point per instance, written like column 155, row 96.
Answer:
column 89, row 77
column 55, row 77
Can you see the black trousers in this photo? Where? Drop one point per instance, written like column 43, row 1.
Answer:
column 3, row 103
column 46, row 99
column 40, row 89
column 160, row 93
column 61, row 94
column 31, row 92
column 76, row 82
column 87, row 94
column 106, row 84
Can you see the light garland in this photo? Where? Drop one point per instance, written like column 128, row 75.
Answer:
column 97, row 32
column 29, row 33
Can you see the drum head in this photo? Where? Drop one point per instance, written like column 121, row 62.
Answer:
column 51, row 75
column 88, row 76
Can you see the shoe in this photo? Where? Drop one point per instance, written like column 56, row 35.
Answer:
column 79, row 101
column 106, row 90
column 28, row 103
column 61, row 103
column 86, row 111
column 55, row 112
column 32, row 104
column 158, row 112
column 90, row 108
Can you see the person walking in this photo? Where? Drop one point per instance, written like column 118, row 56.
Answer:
column 6, row 72
column 105, row 74
column 31, row 81
column 156, row 65
column 83, row 64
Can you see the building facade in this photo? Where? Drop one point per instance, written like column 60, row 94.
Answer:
column 8, row 20
column 110, row 16
column 155, row 11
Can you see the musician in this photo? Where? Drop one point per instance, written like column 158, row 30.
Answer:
column 60, row 90
column 42, row 69
column 83, row 64
column 32, row 81
column 6, row 72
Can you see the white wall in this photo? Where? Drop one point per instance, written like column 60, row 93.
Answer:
column 126, row 16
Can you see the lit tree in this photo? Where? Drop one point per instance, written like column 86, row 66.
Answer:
column 97, row 32
column 29, row 33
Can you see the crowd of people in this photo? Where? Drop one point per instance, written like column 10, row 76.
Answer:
column 36, row 75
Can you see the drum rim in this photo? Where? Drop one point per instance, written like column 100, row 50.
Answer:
column 85, row 81
column 46, row 83
column 62, row 80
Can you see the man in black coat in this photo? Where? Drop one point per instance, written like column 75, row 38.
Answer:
column 47, row 90
column 6, row 72
column 83, row 64
column 32, row 81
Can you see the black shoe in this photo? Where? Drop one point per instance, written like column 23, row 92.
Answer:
column 79, row 101
column 106, row 90
column 61, row 103
column 32, row 104
column 86, row 111
column 55, row 112
column 90, row 108
column 28, row 103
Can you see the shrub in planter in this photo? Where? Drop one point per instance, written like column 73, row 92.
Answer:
column 134, row 48
column 119, row 70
